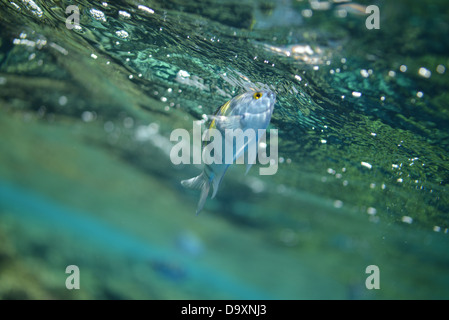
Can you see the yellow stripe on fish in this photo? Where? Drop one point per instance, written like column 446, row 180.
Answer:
column 220, row 111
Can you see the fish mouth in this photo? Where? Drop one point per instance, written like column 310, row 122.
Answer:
column 271, row 95
column 268, row 109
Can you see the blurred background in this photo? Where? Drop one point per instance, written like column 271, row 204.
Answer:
column 86, row 179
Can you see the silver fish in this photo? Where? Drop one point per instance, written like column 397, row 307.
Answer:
column 250, row 110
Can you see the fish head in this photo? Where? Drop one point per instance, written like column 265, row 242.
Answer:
column 256, row 107
column 255, row 102
column 251, row 109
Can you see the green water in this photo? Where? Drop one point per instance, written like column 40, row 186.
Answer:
column 86, row 179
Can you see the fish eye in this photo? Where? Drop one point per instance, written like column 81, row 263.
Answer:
column 257, row 95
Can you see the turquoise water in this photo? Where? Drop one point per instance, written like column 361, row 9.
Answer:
column 86, row 179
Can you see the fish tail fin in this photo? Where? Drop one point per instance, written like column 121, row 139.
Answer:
column 195, row 183
column 216, row 184
column 200, row 182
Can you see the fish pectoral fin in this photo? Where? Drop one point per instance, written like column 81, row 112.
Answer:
column 247, row 152
column 227, row 122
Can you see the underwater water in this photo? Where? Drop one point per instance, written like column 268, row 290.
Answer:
column 86, row 179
